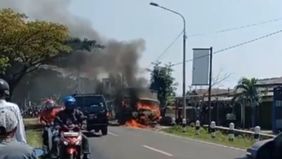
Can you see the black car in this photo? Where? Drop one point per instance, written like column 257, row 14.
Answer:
column 266, row 149
column 95, row 108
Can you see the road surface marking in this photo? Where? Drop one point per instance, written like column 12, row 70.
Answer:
column 194, row 140
column 202, row 142
column 157, row 150
column 113, row 134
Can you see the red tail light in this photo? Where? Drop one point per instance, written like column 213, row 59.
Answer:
column 71, row 150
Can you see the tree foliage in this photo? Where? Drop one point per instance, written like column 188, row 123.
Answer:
column 163, row 82
column 30, row 86
column 85, row 44
column 248, row 94
column 247, row 90
column 4, row 62
column 26, row 44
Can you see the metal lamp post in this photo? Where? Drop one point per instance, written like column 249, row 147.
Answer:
column 184, row 56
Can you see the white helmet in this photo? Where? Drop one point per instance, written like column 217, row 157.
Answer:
column 49, row 103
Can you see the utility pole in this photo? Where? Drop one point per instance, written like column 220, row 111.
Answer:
column 210, row 85
column 184, row 75
column 184, row 56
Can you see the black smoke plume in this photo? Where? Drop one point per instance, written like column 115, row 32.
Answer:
column 116, row 62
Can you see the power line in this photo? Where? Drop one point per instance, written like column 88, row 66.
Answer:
column 216, row 32
column 237, row 28
column 169, row 46
column 247, row 42
column 234, row 46
column 249, row 25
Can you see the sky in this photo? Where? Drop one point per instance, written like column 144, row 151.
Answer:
column 126, row 20
column 133, row 19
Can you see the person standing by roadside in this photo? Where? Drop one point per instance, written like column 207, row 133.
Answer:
column 10, row 148
column 4, row 93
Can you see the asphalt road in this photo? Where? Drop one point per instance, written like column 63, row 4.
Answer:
column 127, row 143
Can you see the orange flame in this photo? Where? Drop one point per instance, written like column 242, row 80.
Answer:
column 148, row 111
column 152, row 107
column 132, row 123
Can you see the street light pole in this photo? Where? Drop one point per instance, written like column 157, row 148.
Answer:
column 184, row 74
column 184, row 57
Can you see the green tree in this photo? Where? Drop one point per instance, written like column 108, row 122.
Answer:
column 163, row 82
column 3, row 64
column 55, row 83
column 85, row 44
column 248, row 95
column 26, row 44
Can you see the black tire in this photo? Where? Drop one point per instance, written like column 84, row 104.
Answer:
column 104, row 130
column 72, row 157
column 67, row 156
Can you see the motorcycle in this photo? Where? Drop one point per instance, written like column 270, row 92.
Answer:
column 70, row 146
column 49, row 131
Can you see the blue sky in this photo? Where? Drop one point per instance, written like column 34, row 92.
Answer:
column 134, row 19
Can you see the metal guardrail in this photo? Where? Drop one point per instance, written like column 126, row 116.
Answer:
column 251, row 133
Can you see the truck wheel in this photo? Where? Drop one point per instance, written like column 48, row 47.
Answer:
column 104, row 130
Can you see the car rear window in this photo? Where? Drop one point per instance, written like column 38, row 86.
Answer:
column 91, row 103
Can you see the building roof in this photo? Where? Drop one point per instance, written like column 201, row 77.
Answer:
column 214, row 91
column 265, row 85
column 270, row 81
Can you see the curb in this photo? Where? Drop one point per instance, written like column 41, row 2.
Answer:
column 159, row 131
column 201, row 141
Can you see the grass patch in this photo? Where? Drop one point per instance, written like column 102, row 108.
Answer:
column 239, row 141
column 34, row 138
column 31, row 121
column 33, row 132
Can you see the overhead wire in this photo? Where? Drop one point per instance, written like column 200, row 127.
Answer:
column 237, row 27
column 249, row 25
column 169, row 46
column 216, row 32
column 233, row 46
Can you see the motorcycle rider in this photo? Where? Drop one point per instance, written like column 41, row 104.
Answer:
column 46, row 118
column 48, row 115
column 70, row 115
column 4, row 93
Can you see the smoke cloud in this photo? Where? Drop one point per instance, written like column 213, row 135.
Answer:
column 117, row 58
column 55, row 11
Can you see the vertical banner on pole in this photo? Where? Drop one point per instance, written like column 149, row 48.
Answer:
column 200, row 73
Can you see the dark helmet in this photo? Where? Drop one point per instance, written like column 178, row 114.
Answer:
column 4, row 87
column 69, row 102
